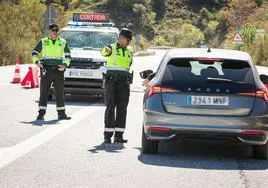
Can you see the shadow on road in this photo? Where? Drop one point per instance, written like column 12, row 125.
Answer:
column 41, row 123
column 198, row 155
column 80, row 100
column 111, row 148
column 84, row 99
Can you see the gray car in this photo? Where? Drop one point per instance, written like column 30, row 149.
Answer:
column 206, row 94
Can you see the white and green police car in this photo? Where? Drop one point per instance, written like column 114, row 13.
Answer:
column 86, row 35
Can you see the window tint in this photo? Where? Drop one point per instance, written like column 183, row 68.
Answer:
column 194, row 69
column 185, row 73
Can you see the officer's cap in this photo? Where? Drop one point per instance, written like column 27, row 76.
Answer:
column 53, row 26
column 126, row 33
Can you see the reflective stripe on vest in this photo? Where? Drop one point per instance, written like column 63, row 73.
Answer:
column 52, row 57
column 118, row 68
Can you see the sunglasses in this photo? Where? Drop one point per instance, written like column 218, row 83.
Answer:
column 54, row 30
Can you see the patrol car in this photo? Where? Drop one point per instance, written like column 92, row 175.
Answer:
column 86, row 35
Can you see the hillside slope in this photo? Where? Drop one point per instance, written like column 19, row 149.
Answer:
column 177, row 23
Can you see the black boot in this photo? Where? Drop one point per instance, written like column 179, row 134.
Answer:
column 107, row 141
column 119, row 140
column 40, row 117
column 64, row 117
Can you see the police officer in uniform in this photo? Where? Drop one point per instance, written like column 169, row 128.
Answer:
column 117, row 82
column 55, row 57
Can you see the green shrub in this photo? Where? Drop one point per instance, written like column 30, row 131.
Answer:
column 258, row 50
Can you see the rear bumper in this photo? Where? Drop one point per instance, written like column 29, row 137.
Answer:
column 181, row 127
column 210, row 135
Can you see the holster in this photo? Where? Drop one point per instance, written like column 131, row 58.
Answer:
column 104, row 79
column 131, row 76
column 43, row 70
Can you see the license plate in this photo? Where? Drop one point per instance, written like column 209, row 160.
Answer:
column 79, row 73
column 208, row 100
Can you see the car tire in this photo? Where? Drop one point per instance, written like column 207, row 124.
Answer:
column 148, row 146
column 260, row 151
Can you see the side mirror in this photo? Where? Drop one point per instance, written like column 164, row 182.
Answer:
column 151, row 76
column 264, row 78
column 145, row 74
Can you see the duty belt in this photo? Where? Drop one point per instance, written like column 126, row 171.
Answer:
column 118, row 78
column 51, row 67
column 127, row 78
column 47, row 67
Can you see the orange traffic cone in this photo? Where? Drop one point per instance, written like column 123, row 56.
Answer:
column 28, row 80
column 36, row 76
column 16, row 78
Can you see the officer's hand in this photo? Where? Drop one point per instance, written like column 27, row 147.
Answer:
column 61, row 68
column 108, row 50
column 145, row 82
column 39, row 65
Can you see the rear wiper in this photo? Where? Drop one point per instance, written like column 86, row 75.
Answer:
column 222, row 80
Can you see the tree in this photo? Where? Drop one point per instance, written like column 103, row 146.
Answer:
column 209, row 4
column 184, row 36
column 21, row 26
column 188, row 36
column 238, row 12
column 259, row 2
column 248, row 32
column 257, row 49
column 146, row 19
column 133, row 14
column 159, row 7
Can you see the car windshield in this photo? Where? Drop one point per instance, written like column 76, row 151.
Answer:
column 88, row 40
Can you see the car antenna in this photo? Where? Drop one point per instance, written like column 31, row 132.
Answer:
column 209, row 50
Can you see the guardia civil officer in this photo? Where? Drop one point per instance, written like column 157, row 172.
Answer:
column 117, row 91
column 55, row 57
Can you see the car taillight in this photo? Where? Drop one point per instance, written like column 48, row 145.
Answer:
column 153, row 90
column 158, row 89
column 262, row 94
column 258, row 93
column 252, row 133
column 160, row 129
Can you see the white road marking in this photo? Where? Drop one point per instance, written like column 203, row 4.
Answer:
column 5, row 84
column 10, row 154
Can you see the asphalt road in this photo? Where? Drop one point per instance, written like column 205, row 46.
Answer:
column 71, row 153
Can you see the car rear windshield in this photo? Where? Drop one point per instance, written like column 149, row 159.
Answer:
column 88, row 40
column 206, row 72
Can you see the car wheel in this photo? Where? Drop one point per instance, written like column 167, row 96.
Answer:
column 148, row 146
column 260, row 151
